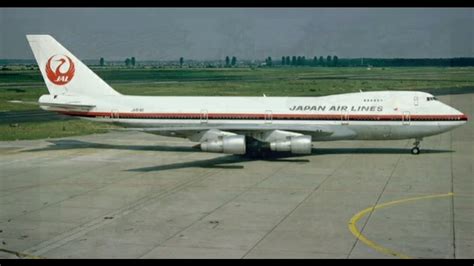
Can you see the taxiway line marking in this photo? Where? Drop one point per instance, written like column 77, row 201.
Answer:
column 355, row 231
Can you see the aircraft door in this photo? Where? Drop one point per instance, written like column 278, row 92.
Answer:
column 204, row 116
column 415, row 100
column 406, row 118
column 345, row 118
column 268, row 117
column 114, row 115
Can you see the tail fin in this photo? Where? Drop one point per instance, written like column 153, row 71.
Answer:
column 62, row 72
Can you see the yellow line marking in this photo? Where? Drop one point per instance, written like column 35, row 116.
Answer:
column 21, row 255
column 372, row 244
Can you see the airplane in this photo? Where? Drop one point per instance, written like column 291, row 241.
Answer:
column 241, row 125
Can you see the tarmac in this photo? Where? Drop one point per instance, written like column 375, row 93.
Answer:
column 137, row 195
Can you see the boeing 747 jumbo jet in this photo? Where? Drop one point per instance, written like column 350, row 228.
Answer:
column 240, row 125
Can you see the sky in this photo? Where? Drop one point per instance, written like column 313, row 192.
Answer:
column 247, row 33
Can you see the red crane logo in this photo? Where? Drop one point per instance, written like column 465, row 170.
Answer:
column 62, row 70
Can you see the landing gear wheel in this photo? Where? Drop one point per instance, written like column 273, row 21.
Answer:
column 415, row 150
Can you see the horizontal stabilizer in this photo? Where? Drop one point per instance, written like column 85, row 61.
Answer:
column 69, row 107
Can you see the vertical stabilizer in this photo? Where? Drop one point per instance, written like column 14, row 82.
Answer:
column 62, row 72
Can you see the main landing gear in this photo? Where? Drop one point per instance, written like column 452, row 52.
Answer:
column 416, row 150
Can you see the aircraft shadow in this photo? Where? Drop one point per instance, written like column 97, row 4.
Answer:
column 78, row 144
column 226, row 162
column 221, row 162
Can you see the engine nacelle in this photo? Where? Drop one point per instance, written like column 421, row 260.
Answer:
column 296, row 145
column 226, row 144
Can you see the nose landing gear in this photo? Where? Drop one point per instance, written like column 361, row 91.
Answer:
column 416, row 150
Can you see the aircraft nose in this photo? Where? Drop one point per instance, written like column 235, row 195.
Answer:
column 460, row 115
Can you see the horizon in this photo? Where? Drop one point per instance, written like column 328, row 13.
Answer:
column 276, row 59
column 247, row 33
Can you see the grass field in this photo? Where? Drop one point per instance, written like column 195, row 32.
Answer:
column 27, row 85
column 50, row 129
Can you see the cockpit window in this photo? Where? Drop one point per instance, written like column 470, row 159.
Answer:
column 431, row 99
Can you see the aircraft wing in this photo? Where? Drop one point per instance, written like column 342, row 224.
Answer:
column 315, row 131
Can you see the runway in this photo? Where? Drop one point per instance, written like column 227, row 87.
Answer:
column 30, row 116
column 136, row 195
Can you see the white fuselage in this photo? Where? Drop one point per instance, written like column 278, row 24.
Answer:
column 233, row 124
column 363, row 116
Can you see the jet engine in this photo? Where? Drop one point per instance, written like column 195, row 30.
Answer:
column 295, row 144
column 234, row 144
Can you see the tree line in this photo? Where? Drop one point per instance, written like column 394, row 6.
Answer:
column 329, row 61
column 128, row 61
column 335, row 61
column 408, row 62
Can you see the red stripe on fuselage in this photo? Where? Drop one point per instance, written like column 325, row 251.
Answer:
column 223, row 116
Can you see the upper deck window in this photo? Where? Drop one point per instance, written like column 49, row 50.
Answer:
column 373, row 100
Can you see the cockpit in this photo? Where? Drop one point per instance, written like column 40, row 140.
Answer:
column 431, row 99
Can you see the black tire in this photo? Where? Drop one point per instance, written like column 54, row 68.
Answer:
column 415, row 151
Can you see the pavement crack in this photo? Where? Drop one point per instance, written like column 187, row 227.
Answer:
column 180, row 233
column 83, row 229
column 452, row 198
column 294, row 209
column 374, row 205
